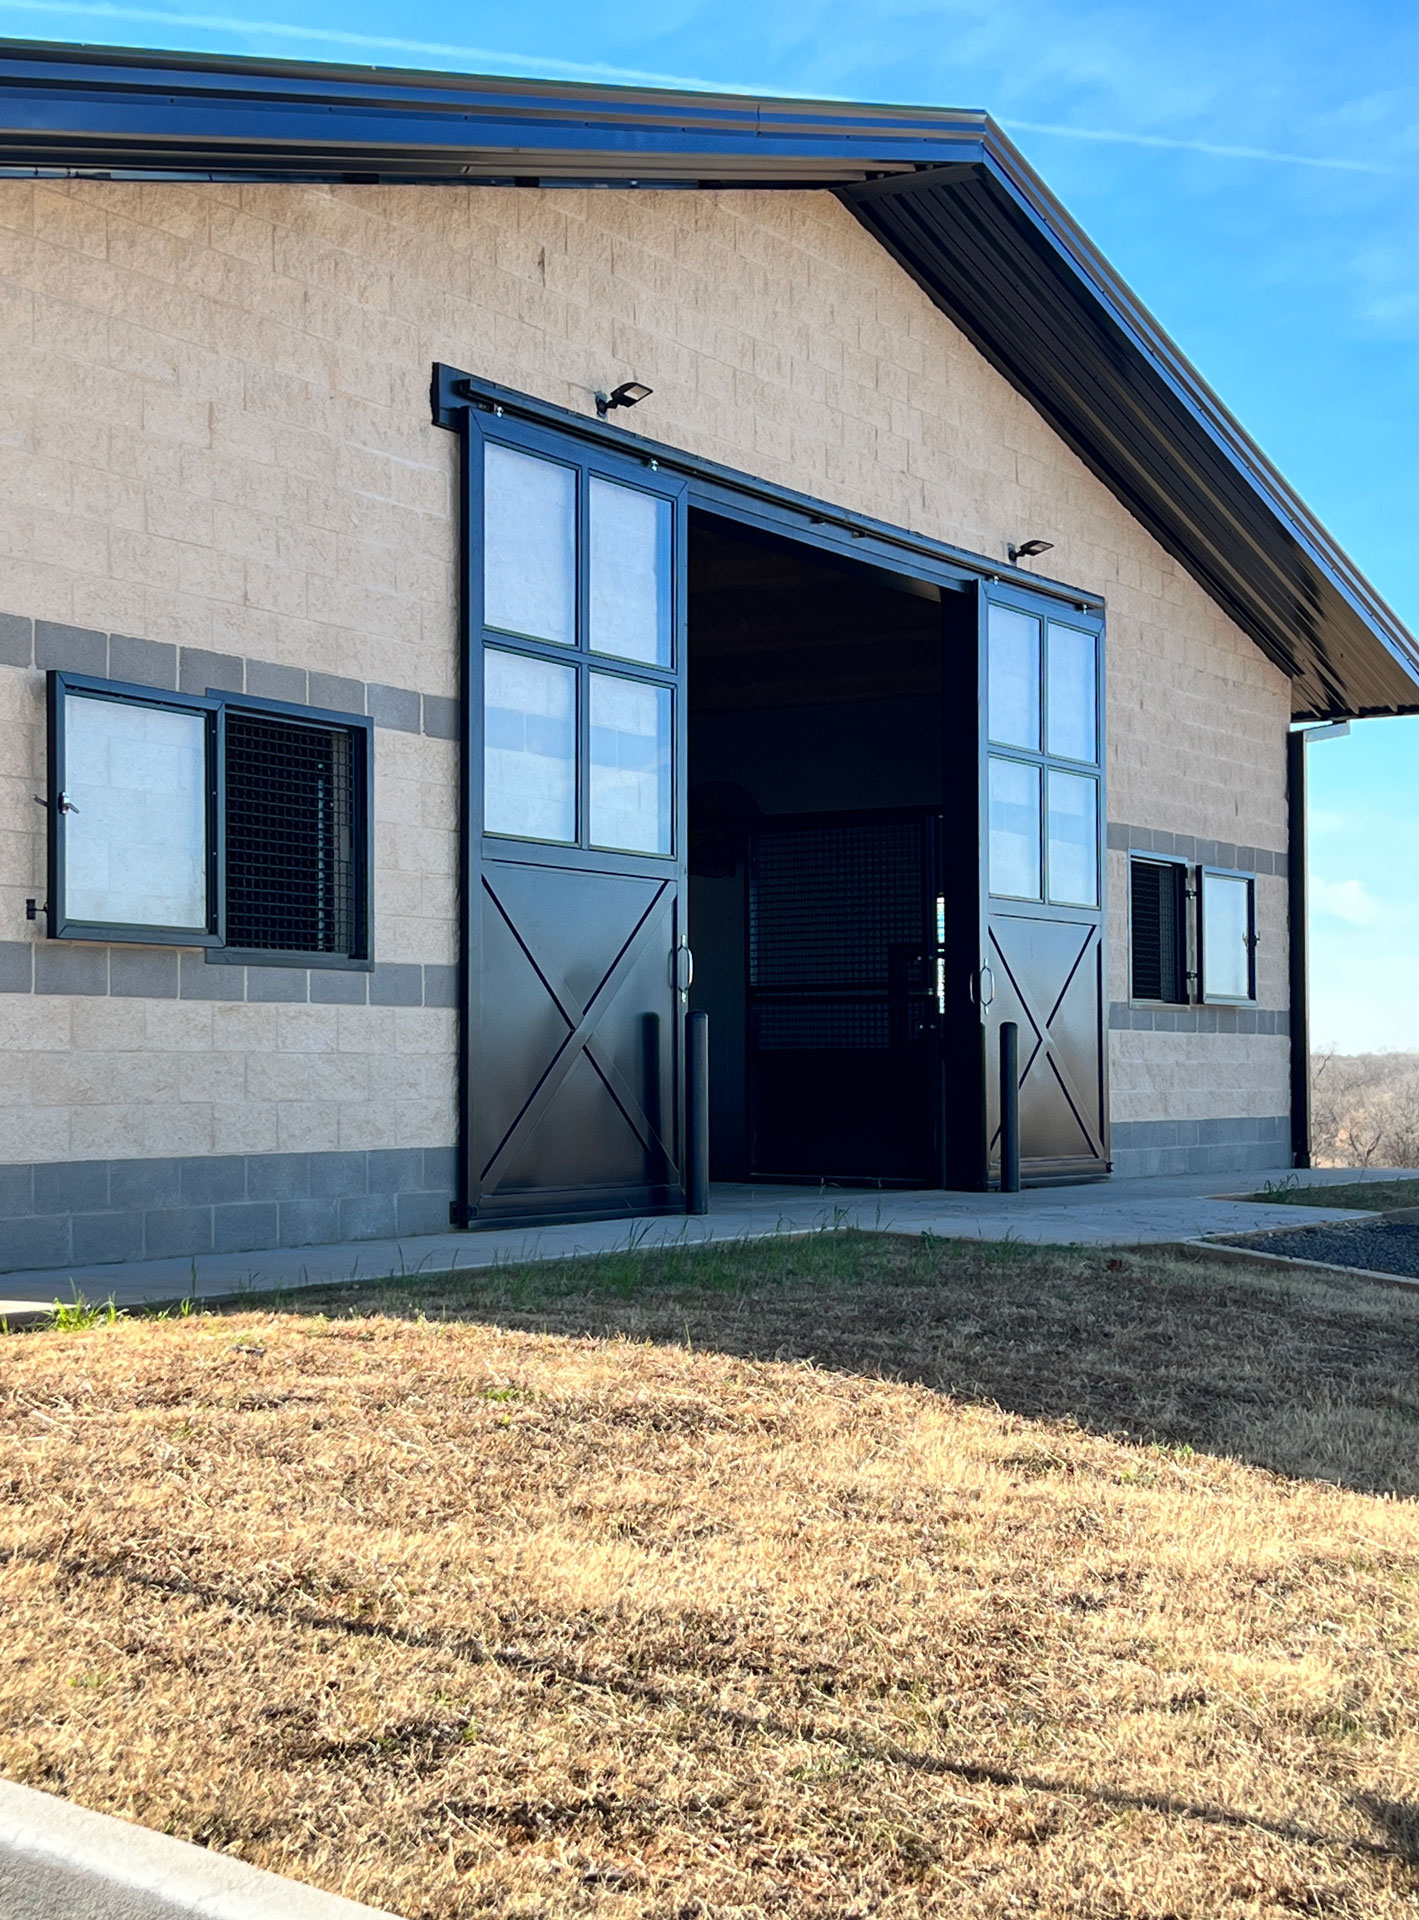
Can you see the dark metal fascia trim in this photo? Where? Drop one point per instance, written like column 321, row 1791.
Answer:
column 453, row 391
column 104, row 94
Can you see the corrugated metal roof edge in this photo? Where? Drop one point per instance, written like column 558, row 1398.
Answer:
column 149, row 99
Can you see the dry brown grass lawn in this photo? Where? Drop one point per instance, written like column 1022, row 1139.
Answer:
column 843, row 1576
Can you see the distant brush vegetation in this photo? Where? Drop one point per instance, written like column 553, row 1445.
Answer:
column 1365, row 1109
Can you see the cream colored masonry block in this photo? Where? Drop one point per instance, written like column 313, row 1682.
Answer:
column 35, row 1133
column 164, row 1078
column 34, row 1023
column 245, row 1126
column 1198, row 1076
column 109, row 1026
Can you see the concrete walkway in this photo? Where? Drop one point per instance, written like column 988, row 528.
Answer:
column 1153, row 1211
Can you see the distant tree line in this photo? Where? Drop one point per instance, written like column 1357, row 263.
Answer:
column 1365, row 1109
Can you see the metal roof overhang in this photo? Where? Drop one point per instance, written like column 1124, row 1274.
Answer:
column 944, row 192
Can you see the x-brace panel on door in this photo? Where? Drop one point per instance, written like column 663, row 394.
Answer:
column 1048, row 980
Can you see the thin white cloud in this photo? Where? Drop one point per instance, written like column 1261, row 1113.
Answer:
column 1347, row 900
column 1211, row 147
column 486, row 59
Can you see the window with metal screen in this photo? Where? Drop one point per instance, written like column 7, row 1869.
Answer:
column 1157, row 903
column 292, row 877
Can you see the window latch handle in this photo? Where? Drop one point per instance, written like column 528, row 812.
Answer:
column 62, row 805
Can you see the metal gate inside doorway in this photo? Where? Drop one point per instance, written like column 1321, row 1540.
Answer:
column 844, row 1000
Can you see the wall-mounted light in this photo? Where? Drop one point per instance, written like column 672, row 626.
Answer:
column 630, row 393
column 1028, row 551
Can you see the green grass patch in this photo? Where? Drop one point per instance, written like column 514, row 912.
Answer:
column 1360, row 1196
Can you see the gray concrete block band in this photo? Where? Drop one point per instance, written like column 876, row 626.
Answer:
column 1145, row 1148
column 172, row 973
column 152, row 663
column 91, row 1211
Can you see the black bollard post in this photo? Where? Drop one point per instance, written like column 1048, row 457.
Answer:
column 697, row 1113
column 1009, row 1107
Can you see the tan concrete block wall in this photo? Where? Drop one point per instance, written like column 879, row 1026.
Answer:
column 119, row 1079
column 214, row 431
column 1196, row 1076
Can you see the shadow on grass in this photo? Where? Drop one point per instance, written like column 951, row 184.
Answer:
column 1307, row 1379
column 423, row 1742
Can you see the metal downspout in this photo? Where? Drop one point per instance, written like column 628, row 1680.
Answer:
column 1298, row 951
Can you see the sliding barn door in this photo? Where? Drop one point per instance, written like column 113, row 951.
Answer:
column 1042, row 922
column 578, row 964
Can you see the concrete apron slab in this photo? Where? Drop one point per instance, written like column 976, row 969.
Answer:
column 1156, row 1211
column 62, row 1862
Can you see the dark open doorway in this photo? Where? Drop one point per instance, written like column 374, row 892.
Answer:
column 815, row 775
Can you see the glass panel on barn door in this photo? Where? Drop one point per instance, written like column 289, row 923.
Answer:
column 631, row 768
column 529, row 737
column 1014, row 678
column 630, row 573
column 1014, row 829
column 1073, row 835
column 1071, row 724
column 529, row 546
column 136, row 832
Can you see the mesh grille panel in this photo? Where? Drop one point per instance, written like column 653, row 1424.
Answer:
column 290, row 867
column 808, row 1026
column 827, row 907
column 1157, row 922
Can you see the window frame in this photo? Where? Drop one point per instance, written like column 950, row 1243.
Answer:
column 1205, row 994
column 61, row 926
column 1079, row 620
column 639, row 473
column 215, row 704
column 1188, row 970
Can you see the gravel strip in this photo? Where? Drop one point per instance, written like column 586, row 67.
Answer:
column 1383, row 1247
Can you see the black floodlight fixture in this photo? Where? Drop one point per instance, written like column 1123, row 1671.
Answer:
column 1028, row 552
column 630, row 393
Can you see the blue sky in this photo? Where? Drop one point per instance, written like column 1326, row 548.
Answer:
column 1250, row 166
